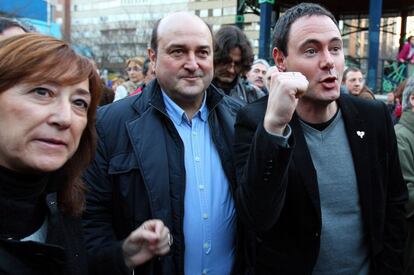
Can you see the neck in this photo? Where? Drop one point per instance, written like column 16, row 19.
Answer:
column 21, row 203
column 190, row 104
column 190, row 110
column 316, row 113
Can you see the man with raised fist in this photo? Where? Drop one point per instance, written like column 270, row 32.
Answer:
column 318, row 171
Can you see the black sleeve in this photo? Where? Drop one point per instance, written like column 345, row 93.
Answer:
column 262, row 170
column 104, row 250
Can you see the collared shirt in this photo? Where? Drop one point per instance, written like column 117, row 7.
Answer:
column 209, row 214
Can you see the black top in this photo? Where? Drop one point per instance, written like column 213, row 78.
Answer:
column 26, row 201
column 22, row 205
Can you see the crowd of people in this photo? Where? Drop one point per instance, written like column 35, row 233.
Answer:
column 204, row 160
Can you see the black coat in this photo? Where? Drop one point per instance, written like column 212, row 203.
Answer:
column 63, row 252
column 279, row 194
column 139, row 174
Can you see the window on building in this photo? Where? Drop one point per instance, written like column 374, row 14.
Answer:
column 216, row 12
column 229, row 11
column 203, row 13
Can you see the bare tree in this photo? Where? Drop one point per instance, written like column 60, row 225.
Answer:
column 112, row 43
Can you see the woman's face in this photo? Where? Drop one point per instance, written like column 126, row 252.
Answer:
column 41, row 125
column 134, row 72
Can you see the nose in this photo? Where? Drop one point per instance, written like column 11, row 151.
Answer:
column 327, row 60
column 61, row 115
column 262, row 75
column 191, row 62
column 231, row 67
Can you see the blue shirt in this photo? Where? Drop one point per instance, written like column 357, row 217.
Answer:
column 209, row 214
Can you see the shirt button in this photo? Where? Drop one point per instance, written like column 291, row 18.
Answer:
column 194, row 133
column 197, row 158
column 201, row 186
column 205, row 245
column 204, row 271
column 205, row 216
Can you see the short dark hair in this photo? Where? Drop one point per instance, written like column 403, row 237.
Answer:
column 282, row 27
column 350, row 69
column 145, row 66
column 154, row 34
column 226, row 39
column 7, row 23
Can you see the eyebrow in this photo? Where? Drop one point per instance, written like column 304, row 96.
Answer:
column 315, row 41
column 185, row 46
column 83, row 92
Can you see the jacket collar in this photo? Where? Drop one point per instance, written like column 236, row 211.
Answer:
column 152, row 96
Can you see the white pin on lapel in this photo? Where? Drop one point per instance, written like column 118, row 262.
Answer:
column 360, row 134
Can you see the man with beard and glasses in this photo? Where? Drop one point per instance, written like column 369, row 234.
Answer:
column 166, row 154
column 233, row 57
column 319, row 175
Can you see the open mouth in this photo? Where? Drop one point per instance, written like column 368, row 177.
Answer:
column 329, row 82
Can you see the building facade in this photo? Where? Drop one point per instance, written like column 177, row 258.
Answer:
column 115, row 30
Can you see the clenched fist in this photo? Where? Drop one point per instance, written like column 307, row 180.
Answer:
column 285, row 89
column 151, row 239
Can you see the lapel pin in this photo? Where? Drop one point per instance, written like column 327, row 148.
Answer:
column 360, row 134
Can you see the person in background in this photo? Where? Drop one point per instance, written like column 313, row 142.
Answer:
column 407, row 51
column 318, row 170
column 406, row 55
column 135, row 77
column 353, row 80
column 148, row 70
column 116, row 82
column 404, row 131
column 149, row 75
column 366, row 93
column 390, row 101
column 107, row 95
column 9, row 27
column 257, row 74
column 233, row 57
column 167, row 154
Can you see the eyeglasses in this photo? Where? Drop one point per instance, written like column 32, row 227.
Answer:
column 134, row 68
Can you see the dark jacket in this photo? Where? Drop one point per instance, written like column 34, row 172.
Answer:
column 242, row 90
column 279, row 194
column 62, row 254
column 139, row 174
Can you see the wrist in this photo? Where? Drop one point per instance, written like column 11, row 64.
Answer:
column 273, row 127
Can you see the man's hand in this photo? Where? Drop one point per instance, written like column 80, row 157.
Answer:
column 285, row 89
column 151, row 239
